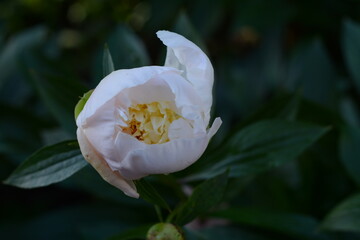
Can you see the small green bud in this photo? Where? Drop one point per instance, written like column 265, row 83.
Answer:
column 164, row 231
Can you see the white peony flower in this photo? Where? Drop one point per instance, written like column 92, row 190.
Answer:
column 150, row 120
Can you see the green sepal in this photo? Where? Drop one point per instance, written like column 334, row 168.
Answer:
column 81, row 103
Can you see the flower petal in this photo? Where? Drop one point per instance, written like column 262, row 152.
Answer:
column 187, row 100
column 180, row 128
column 185, row 55
column 140, row 160
column 215, row 127
column 163, row 158
column 114, row 178
column 114, row 83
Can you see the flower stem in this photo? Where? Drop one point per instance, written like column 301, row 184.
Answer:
column 158, row 213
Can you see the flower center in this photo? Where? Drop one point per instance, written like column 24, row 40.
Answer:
column 149, row 122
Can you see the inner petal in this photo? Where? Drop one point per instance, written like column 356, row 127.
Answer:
column 149, row 122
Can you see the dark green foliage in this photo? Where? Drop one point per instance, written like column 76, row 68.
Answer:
column 136, row 233
column 345, row 216
column 149, row 193
column 284, row 165
column 48, row 165
column 108, row 65
column 205, row 196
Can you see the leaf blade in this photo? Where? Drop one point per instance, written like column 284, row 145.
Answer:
column 150, row 194
column 59, row 96
column 349, row 151
column 261, row 146
column 290, row 224
column 108, row 64
column 205, row 196
column 351, row 48
column 48, row 165
column 345, row 216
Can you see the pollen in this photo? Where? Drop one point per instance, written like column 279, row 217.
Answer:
column 149, row 122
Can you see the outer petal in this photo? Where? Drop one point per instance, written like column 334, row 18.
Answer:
column 114, row 178
column 114, row 83
column 185, row 55
column 215, row 127
column 163, row 158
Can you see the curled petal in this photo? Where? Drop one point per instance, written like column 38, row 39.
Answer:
column 139, row 159
column 196, row 66
column 114, row 83
column 114, row 178
column 215, row 127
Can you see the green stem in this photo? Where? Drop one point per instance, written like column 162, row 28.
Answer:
column 158, row 213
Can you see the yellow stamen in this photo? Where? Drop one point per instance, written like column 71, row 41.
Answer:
column 149, row 122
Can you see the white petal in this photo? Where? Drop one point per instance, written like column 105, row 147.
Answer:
column 140, row 159
column 185, row 55
column 114, row 178
column 180, row 128
column 163, row 158
column 153, row 90
column 100, row 129
column 113, row 84
column 215, row 127
column 187, row 100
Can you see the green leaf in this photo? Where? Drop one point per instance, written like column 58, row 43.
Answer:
column 262, row 146
column 16, row 46
column 283, row 106
column 127, row 51
column 350, row 112
column 108, row 65
column 18, row 137
column 135, row 233
column 351, row 49
column 224, row 232
column 59, row 95
column 184, row 27
column 207, row 195
column 311, row 70
column 206, row 15
column 81, row 103
column 344, row 217
column 149, row 193
column 49, row 165
column 290, row 224
column 350, row 151
column 318, row 114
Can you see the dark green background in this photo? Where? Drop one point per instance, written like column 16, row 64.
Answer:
column 293, row 60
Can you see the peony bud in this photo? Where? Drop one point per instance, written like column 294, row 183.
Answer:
column 164, row 231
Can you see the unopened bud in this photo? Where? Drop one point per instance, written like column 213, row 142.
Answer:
column 164, row 231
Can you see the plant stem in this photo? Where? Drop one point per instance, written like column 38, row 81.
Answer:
column 158, row 213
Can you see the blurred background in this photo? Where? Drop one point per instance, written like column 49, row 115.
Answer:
column 267, row 54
